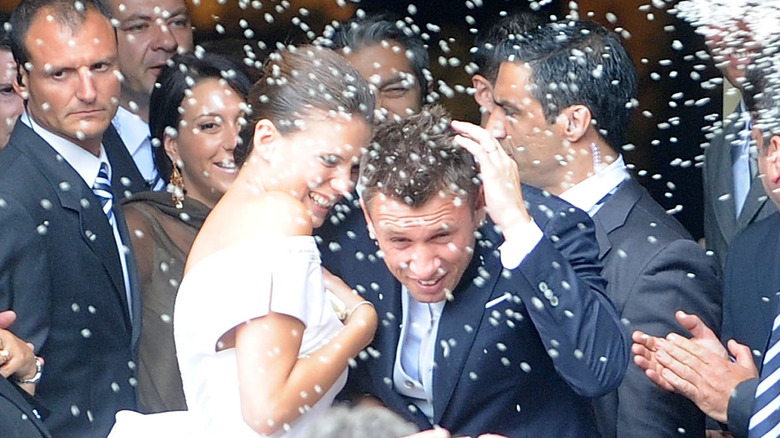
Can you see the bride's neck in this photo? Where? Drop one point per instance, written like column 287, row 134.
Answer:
column 250, row 177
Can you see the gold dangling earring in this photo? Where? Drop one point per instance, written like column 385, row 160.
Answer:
column 176, row 187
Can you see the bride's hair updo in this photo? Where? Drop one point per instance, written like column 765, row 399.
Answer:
column 300, row 83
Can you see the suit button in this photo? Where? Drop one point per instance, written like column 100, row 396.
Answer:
column 543, row 286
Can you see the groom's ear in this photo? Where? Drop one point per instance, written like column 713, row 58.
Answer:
column 369, row 223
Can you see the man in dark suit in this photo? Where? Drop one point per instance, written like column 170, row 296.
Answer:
column 65, row 267
column 733, row 195
column 563, row 99
column 700, row 367
column 148, row 34
column 481, row 331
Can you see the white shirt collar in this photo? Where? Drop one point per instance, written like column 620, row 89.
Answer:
column 131, row 129
column 587, row 194
column 82, row 161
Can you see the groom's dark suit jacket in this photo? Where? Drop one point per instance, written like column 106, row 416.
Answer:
column 519, row 352
column 60, row 271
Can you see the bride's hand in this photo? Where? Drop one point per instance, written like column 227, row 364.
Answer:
column 359, row 313
column 337, row 287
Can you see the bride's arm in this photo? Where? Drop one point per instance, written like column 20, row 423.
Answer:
column 274, row 383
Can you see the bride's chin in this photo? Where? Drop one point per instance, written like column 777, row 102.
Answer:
column 316, row 221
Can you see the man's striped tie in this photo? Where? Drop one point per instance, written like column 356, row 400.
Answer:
column 765, row 420
column 102, row 190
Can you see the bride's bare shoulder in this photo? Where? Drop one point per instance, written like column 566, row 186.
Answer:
column 271, row 214
column 240, row 219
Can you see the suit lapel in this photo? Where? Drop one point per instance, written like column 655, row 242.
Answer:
column 73, row 194
column 460, row 321
column 391, row 316
column 756, row 198
column 132, row 270
column 126, row 179
column 723, row 184
column 614, row 213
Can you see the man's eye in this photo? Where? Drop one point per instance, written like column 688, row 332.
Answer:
column 208, row 126
column 180, row 22
column 136, row 27
column 395, row 91
column 329, row 160
column 101, row 66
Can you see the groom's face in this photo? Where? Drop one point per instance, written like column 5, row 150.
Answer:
column 426, row 248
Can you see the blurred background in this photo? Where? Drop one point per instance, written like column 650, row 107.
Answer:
column 677, row 93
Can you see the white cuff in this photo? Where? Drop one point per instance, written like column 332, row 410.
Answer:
column 513, row 253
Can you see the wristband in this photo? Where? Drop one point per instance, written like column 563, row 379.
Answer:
column 37, row 377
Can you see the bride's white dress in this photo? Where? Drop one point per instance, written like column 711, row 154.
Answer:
column 225, row 289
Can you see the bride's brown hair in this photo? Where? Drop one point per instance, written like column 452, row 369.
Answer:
column 302, row 82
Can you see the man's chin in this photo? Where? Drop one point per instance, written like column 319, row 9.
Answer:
column 427, row 296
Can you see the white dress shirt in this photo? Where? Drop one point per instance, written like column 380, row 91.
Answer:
column 136, row 136
column 87, row 166
column 589, row 194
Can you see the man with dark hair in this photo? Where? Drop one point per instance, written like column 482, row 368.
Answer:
column 486, row 58
column 733, row 194
column 563, row 99
column 391, row 57
column 482, row 331
column 65, row 267
column 10, row 102
column 394, row 61
column 149, row 32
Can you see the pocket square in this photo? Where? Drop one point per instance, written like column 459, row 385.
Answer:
column 495, row 301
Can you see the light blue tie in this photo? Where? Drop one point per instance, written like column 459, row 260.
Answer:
column 102, row 189
column 765, row 418
column 740, row 168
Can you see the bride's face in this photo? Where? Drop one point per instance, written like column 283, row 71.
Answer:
column 317, row 163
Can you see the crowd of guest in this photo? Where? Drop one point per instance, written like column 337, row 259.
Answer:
column 186, row 253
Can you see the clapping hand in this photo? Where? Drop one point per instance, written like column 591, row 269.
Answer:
column 698, row 368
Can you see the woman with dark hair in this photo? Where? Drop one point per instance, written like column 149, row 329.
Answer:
column 261, row 346
column 197, row 111
column 11, row 104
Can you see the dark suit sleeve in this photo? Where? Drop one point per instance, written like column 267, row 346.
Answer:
column 17, row 417
column 741, row 406
column 566, row 302
column 679, row 277
column 24, row 277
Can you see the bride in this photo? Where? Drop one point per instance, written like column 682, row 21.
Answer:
column 260, row 348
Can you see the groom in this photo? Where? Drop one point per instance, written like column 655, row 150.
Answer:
column 481, row 331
